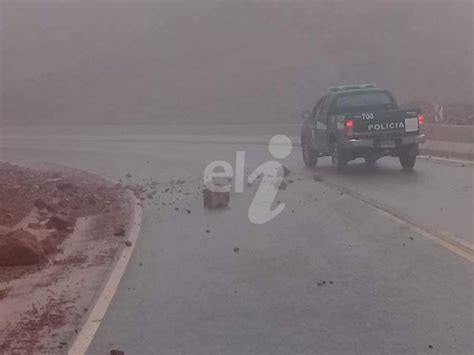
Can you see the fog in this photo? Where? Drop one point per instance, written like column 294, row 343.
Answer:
column 223, row 61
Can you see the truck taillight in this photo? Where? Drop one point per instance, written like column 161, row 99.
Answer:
column 421, row 119
column 349, row 123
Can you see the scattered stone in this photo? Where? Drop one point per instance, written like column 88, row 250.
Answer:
column 176, row 209
column 55, row 200
column 58, row 223
column 128, row 243
column 117, row 352
column 318, row 178
column 430, row 346
column 37, row 226
column 150, row 195
column 236, row 250
column 282, row 186
column 286, row 171
column 67, row 187
column 21, row 248
column 49, row 245
column 188, row 211
column 119, row 231
column 290, row 181
column 411, row 238
column 54, row 179
column 208, row 231
column 41, row 204
column 341, row 193
column 216, row 199
column 128, row 175
column 92, row 200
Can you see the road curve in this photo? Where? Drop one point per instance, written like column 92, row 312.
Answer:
column 335, row 273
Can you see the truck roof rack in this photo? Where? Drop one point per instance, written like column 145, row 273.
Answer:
column 352, row 87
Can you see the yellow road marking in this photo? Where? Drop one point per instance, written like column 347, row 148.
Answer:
column 462, row 248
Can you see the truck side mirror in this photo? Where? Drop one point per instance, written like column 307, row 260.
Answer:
column 305, row 115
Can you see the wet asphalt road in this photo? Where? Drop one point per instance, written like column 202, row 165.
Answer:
column 330, row 275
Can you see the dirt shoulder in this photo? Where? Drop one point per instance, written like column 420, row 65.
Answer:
column 60, row 233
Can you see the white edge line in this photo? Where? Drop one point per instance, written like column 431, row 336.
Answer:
column 87, row 333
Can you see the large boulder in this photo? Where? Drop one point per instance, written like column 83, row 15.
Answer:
column 20, row 247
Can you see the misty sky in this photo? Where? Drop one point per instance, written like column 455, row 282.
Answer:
column 223, row 61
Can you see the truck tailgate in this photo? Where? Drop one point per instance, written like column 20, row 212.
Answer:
column 386, row 122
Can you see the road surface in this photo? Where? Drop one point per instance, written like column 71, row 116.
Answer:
column 370, row 262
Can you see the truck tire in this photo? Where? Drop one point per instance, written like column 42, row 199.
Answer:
column 407, row 160
column 339, row 160
column 310, row 156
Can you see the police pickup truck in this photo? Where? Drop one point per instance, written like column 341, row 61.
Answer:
column 360, row 121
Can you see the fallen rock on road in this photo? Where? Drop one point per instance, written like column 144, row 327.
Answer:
column 216, row 199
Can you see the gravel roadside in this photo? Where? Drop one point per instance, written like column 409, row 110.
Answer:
column 60, row 233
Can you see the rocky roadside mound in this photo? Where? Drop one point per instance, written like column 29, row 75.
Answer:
column 38, row 209
column 60, row 232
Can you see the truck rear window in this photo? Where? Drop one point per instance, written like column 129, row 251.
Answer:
column 362, row 101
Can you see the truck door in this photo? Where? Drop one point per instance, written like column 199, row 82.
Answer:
column 312, row 123
column 322, row 125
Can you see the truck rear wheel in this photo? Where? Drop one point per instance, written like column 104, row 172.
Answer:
column 310, row 156
column 407, row 160
column 339, row 160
